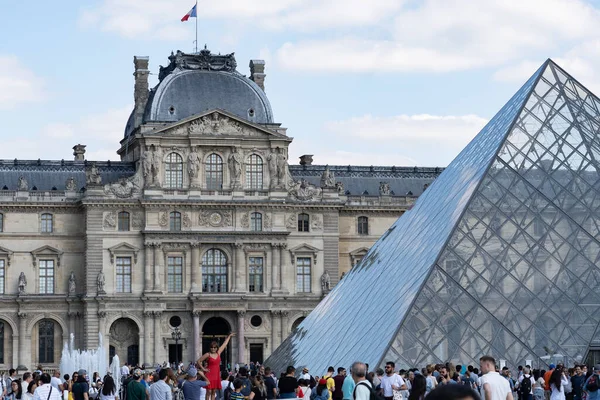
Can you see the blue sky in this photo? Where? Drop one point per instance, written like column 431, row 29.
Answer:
column 377, row 82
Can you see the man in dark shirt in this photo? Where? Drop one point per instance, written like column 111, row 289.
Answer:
column 81, row 387
column 339, row 382
column 135, row 389
column 577, row 381
column 193, row 387
column 288, row 385
column 270, row 384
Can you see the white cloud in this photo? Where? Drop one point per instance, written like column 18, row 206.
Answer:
column 100, row 132
column 18, row 84
column 423, row 139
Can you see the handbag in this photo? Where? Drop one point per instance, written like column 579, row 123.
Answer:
column 397, row 394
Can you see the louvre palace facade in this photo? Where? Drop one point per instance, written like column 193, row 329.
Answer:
column 203, row 225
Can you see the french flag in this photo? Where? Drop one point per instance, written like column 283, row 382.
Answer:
column 190, row 14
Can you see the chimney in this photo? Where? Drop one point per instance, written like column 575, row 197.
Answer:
column 79, row 152
column 306, row 159
column 257, row 72
column 140, row 90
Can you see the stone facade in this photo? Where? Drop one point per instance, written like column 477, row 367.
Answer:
column 203, row 219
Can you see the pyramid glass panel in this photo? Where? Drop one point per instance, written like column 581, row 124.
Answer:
column 501, row 255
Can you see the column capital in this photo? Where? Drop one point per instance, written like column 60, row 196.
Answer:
column 22, row 315
column 284, row 313
column 101, row 314
column 196, row 313
column 157, row 314
column 195, row 244
column 148, row 313
column 238, row 245
column 241, row 313
column 276, row 313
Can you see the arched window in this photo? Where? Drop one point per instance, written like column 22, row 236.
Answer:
column 254, row 172
column 214, row 271
column 303, row 223
column 256, row 222
column 1, row 222
column 46, row 341
column 1, row 342
column 123, row 221
column 363, row 226
column 47, row 223
column 175, row 221
column 214, row 172
column 174, row 171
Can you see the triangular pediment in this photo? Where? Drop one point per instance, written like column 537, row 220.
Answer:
column 123, row 248
column 46, row 250
column 218, row 122
column 304, row 248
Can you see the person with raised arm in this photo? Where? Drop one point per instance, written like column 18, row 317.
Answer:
column 213, row 373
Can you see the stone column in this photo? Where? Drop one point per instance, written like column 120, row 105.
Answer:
column 157, row 337
column 197, row 335
column 275, row 325
column 148, row 353
column 194, row 267
column 284, row 323
column 148, row 267
column 240, row 266
column 157, row 268
column 274, row 267
column 23, row 340
column 241, row 340
column 282, row 258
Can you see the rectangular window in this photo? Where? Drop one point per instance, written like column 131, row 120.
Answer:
column 363, row 225
column 123, row 221
column 255, row 266
column 175, row 274
column 303, row 223
column 47, row 223
column 123, row 275
column 303, row 274
column 2, row 276
column 46, row 276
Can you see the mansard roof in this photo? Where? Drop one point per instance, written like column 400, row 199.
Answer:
column 365, row 180
column 45, row 175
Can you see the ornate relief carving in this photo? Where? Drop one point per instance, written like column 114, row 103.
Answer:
column 304, row 191
column 204, row 60
column 92, row 176
column 127, row 187
column 267, row 221
column 137, row 221
column 217, row 124
column 193, row 163
column 186, row 221
column 151, row 160
column 245, row 221
column 163, row 219
column 71, row 184
column 340, row 187
column 110, row 220
column 291, row 221
column 215, row 218
column 317, row 223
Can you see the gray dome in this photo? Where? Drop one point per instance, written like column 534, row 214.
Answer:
column 186, row 93
column 195, row 83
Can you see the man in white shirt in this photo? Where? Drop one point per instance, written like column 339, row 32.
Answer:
column 493, row 385
column 362, row 390
column 391, row 381
column 125, row 370
column 27, row 377
column 45, row 391
column 55, row 380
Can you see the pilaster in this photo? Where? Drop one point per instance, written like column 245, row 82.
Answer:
column 241, row 341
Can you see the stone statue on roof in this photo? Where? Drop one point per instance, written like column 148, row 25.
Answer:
column 92, row 175
column 71, row 184
column 384, row 188
column 23, row 185
column 328, row 179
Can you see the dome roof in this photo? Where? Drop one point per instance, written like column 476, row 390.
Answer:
column 195, row 83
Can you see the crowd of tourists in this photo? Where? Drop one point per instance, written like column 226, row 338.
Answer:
column 206, row 379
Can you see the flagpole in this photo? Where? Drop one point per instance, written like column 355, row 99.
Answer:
column 196, row 26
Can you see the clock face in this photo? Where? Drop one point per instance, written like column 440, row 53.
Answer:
column 215, row 219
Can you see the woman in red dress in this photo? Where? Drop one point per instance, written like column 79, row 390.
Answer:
column 213, row 373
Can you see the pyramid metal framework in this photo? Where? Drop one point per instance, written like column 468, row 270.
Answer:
column 499, row 256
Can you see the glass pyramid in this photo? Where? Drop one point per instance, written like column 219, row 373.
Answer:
column 499, row 256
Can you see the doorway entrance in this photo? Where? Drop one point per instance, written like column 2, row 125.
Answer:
column 124, row 340
column 217, row 329
column 256, row 352
column 175, row 352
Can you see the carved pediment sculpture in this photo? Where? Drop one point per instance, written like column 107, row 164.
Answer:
column 217, row 124
column 304, row 191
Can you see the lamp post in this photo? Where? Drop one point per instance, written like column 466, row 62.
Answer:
column 176, row 335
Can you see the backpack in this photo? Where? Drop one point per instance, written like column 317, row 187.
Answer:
column 592, row 384
column 525, row 386
column 227, row 393
column 373, row 395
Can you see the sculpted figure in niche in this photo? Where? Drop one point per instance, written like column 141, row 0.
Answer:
column 22, row 283
column 147, row 165
column 193, row 163
column 72, row 284
column 71, row 184
column 281, row 168
column 100, row 281
column 235, row 165
column 23, row 185
column 325, row 281
column 272, row 160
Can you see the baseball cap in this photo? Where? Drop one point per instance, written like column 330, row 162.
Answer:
column 552, row 366
column 192, row 371
column 82, row 372
column 137, row 373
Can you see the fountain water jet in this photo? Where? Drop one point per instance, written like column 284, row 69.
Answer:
column 91, row 360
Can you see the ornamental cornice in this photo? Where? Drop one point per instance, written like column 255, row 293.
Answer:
column 38, row 207
column 223, row 205
column 212, row 236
